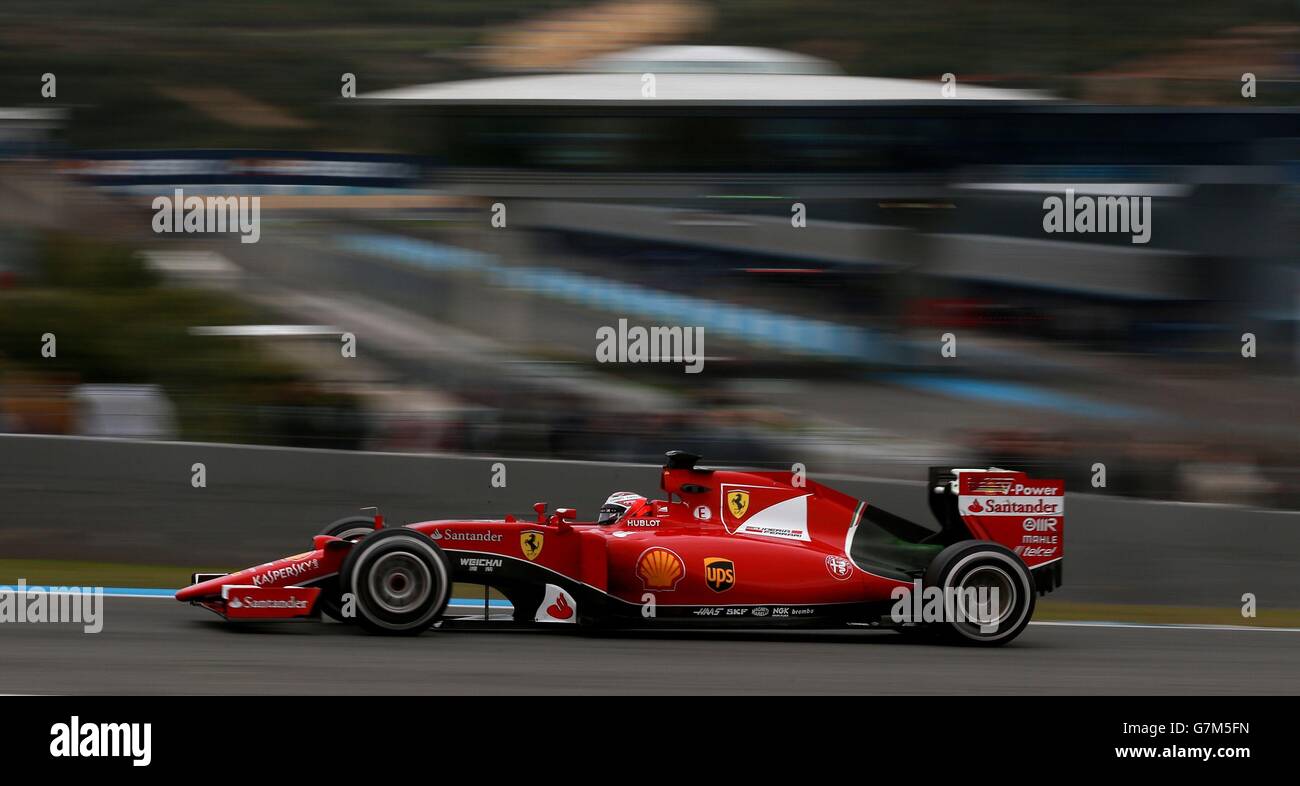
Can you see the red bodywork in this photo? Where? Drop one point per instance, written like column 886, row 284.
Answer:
column 755, row 546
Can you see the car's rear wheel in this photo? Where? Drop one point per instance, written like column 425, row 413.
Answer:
column 351, row 528
column 988, row 591
column 399, row 579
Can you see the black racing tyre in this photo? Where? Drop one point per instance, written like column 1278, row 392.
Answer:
column 983, row 566
column 351, row 528
column 399, row 579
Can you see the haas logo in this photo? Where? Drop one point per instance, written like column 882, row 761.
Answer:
column 560, row 609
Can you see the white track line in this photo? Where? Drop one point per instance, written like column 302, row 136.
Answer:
column 465, row 603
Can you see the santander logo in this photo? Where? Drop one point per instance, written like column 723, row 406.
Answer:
column 976, row 507
column 560, row 609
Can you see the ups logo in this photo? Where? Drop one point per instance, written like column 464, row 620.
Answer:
column 719, row 573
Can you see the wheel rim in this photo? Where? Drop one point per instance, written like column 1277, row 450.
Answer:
column 985, row 580
column 399, row 582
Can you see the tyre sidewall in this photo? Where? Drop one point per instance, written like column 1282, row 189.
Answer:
column 958, row 560
column 331, row 602
column 353, row 579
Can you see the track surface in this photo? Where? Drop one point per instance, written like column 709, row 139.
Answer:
column 159, row 646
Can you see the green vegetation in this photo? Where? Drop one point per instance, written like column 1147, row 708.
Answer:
column 115, row 323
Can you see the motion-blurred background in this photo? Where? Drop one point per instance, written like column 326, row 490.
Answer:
column 924, row 217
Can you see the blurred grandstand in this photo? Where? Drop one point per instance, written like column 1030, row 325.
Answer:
column 924, row 217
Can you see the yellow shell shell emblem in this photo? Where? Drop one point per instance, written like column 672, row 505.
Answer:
column 737, row 503
column 660, row 569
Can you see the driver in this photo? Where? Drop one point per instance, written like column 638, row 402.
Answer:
column 619, row 504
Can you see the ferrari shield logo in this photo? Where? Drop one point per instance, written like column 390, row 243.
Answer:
column 530, row 542
column 737, row 503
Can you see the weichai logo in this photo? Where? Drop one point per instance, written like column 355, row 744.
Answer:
column 719, row 573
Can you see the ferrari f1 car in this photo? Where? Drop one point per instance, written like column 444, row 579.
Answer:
column 724, row 548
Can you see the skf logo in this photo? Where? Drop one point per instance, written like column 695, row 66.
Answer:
column 719, row 573
column 660, row 569
column 530, row 543
column 737, row 503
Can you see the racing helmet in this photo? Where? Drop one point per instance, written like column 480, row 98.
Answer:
column 617, row 506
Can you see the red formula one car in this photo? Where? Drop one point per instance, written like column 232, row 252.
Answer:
column 725, row 548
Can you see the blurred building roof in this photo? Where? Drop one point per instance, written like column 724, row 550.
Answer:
column 698, row 75
column 708, row 60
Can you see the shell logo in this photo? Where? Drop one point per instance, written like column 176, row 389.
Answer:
column 660, row 569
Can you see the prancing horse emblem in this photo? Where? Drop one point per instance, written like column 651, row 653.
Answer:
column 530, row 541
column 738, row 503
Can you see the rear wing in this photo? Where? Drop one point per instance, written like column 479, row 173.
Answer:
column 1024, row 514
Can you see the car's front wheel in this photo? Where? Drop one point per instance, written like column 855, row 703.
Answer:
column 988, row 593
column 350, row 528
column 400, row 581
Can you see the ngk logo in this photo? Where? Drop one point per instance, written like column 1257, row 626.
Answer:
column 1040, row 525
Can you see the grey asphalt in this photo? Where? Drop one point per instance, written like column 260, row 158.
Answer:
column 158, row 646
